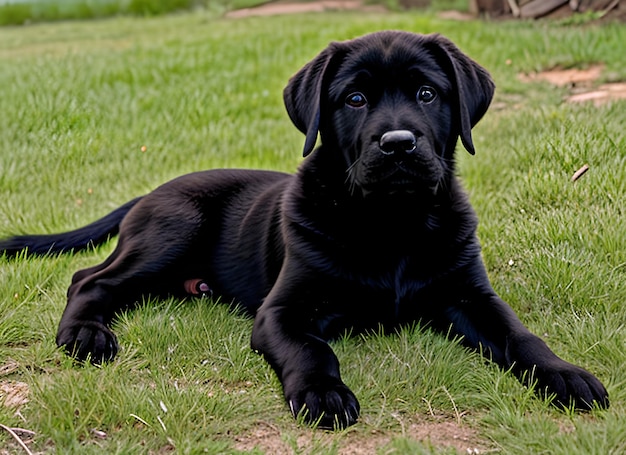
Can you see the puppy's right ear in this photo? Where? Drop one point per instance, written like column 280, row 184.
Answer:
column 303, row 94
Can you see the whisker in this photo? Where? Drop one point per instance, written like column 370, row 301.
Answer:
column 350, row 180
column 351, row 167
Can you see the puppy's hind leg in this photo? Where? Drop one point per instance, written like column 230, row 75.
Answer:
column 150, row 258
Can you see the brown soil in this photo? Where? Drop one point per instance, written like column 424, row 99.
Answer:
column 602, row 94
column 290, row 7
column 567, row 77
column 439, row 432
column 582, row 84
column 13, row 394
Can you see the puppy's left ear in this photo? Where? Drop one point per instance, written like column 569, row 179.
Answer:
column 303, row 94
column 474, row 86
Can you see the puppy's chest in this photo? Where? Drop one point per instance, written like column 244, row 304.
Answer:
column 401, row 267
column 392, row 281
column 368, row 301
column 399, row 287
column 404, row 279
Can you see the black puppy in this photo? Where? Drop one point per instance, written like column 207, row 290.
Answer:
column 373, row 230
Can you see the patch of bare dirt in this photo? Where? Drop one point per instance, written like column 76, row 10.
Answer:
column 582, row 84
column 448, row 433
column 442, row 432
column 13, row 394
column 602, row 94
column 290, row 7
column 454, row 15
column 567, row 77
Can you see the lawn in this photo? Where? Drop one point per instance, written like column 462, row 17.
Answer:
column 18, row 12
column 97, row 112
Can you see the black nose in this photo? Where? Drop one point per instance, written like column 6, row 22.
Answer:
column 397, row 141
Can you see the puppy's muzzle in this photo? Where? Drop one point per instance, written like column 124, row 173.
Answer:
column 397, row 142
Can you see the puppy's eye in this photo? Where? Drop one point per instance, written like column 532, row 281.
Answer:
column 356, row 100
column 426, row 94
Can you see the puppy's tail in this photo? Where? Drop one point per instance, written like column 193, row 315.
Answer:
column 93, row 234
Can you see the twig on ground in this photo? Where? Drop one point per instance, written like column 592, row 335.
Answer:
column 578, row 174
column 12, row 432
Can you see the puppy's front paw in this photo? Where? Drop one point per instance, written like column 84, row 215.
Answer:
column 571, row 386
column 88, row 340
column 324, row 402
column 534, row 362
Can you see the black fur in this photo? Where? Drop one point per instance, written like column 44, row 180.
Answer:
column 93, row 234
column 372, row 230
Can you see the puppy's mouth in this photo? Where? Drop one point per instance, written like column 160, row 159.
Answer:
column 403, row 178
column 396, row 179
column 374, row 173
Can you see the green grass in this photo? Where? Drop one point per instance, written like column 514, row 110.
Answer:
column 33, row 11
column 80, row 99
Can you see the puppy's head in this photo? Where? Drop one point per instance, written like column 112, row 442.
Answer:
column 393, row 104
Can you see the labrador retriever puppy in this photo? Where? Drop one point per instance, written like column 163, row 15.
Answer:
column 372, row 231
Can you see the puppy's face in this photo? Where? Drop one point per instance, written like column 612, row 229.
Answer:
column 389, row 112
column 392, row 105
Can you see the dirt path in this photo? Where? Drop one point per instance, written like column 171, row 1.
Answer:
column 286, row 7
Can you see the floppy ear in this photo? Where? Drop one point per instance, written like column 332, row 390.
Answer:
column 303, row 94
column 474, row 86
